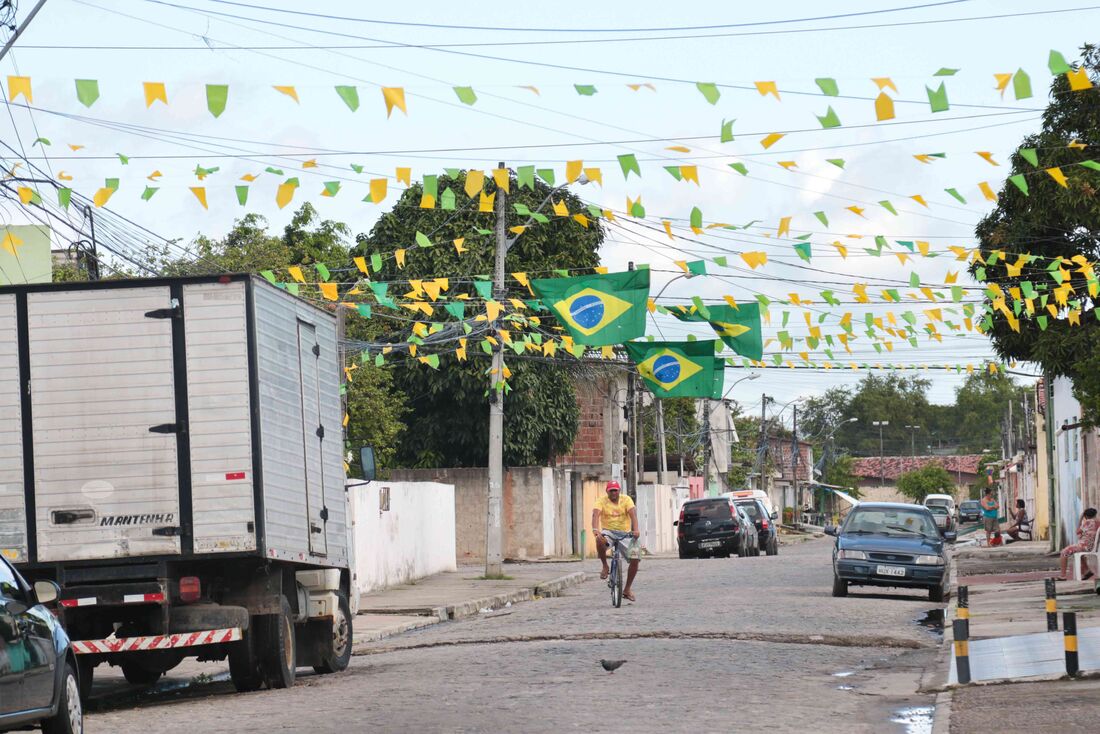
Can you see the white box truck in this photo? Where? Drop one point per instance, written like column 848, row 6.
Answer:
column 171, row 456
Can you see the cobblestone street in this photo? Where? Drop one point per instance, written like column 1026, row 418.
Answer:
column 711, row 644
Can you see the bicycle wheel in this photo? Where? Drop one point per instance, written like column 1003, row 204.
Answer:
column 617, row 582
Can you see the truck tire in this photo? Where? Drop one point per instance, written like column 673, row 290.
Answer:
column 278, row 657
column 86, row 669
column 139, row 676
column 69, row 718
column 337, row 651
column 244, row 663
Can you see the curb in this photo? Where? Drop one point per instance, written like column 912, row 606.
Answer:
column 553, row 587
column 941, row 713
column 375, row 635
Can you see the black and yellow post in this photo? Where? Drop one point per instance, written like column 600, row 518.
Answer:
column 1069, row 625
column 1052, row 605
column 962, row 610
column 961, row 630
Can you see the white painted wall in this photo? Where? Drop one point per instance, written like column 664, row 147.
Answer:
column 413, row 539
column 657, row 506
column 1067, row 459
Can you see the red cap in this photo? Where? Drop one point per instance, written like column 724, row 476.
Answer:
column 612, row 485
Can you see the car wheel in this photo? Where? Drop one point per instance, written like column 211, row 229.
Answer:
column 936, row 594
column 69, row 718
column 337, row 646
column 139, row 676
column 684, row 553
column 278, row 657
column 840, row 587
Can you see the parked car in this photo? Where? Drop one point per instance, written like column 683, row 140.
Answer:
column 945, row 520
column 38, row 678
column 940, row 500
column 970, row 511
column 715, row 526
column 890, row 544
column 755, row 494
column 767, row 532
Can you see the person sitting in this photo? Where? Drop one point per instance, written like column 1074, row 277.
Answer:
column 1019, row 523
column 1087, row 529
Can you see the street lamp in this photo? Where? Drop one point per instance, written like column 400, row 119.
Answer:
column 881, row 465
column 913, row 439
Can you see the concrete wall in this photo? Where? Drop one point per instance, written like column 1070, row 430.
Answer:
column 413, row 538
column 657, row 507
column 537, row 509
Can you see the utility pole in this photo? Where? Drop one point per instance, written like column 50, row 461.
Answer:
column 20, row 29
column 494, row 542
column 662, row 458
column 881, row 462
column 794, row 470
column 630, row 465
column 706, row 447
column 913, row 439
column 762, row 449
column 639, row 422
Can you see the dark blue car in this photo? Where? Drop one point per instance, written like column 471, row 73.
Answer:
column 890, row 544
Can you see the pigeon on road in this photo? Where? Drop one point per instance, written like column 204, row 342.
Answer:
column 611, row 665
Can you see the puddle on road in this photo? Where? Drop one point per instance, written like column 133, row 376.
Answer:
column 917, row 720
column 932, row 621
column 844, row 674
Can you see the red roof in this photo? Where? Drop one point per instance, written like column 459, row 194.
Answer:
column 893, row 466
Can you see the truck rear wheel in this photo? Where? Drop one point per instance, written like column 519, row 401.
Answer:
column 139, row 676
column 337, row 649
column 278, row 658
column 244, row 663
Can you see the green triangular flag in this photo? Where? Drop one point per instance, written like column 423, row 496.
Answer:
column 546, row 174
column 721, row 260
column 1021, row 84
column 709, row 91
column 585, row 90
column 87, row 91
column 332, row 188
column 822, row 218
column 447, row 199
column 350, row 95
column 956, row 194
column 356, row 167
column 946, row 72
column 292, row 289
column 1090, row 164
column 148, row 193
column 1029, row 155
column 465, row 95
column 111, row 183
column 456, row 309
column 216, row 97
column 804, row 250
column 838, row 162
column 422, row 240
column 375, row 262
column 322, row 270
column 914, row 280
column 829, row 119
column 1020, row 182
column 696, row 217
column 674, row 171
column 740, row 168
column 697, row 267
column 1057, row 63
column 828, row 86
column 637, row 210
column 888, row 207
column 1042, row 321
column 484, row 288
column 364, row 310
column 379, row 360
column 276, row 171
column 629, row 162
column 938, row 98
column 269, row 276
column 64, row 196
column 525, row 176
column 242, row 194
column 727, row 131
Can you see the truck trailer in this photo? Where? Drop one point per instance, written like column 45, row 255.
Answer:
column 171, row 456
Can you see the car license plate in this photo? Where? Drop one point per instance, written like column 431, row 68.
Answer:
column 890, row 570
column 712, row 544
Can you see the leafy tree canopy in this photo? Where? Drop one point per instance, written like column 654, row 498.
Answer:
column 929, row 479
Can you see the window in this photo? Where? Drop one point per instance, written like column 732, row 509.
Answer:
column 890, row 522
column 750, row 509
column 716, row 510
column 9, row 587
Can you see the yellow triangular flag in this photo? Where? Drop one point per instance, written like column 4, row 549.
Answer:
column 329, row 291
column 884, row 82
column 403, row 174
column 502, row 179
column 311, row 163
column 573, row 170
column 284, row 194
column 884, row 107
column 485, row 201
column 11, row 241
column 690, row 173
column 296, row 273
column 200, row 194
column 784, row 227
column 154, row 92
column 399, row 256
column 26, row 194
column 395, row 97
column 766, row 88
column 361, row 263
column 290, row 92
column 987, row 192
column 102, row 196
column 1079, row 80
column 559, row 207
column 20, row 85
column 920, row 200
column 841, row 249
column 987, row 157
column 475, row 181
column 594, row 174
column 1002, row 82
column 772, row 139
column 458, row 245
column 1057, row 175
column 378, row 188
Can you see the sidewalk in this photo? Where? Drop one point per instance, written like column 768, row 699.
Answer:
column 458, row 594
column 1009, row 643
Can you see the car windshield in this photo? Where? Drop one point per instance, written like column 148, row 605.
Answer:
column 969, row 505
column 750, row 509
column 937, row 510
column 937, row 503
column 890, row 521
column 716, row 510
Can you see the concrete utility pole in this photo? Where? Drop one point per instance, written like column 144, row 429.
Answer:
column 762, row 449
column 20, row 29
column 494, row 542
column 630, row 465
column 913, row 439
column 794, row 470
column 662, row 458
column 881, row 463
column 706, row 447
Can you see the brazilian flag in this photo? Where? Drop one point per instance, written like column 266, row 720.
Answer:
column 598, row 310
column 679, row 369
column 739, row 328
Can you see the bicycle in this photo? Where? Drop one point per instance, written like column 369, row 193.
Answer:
column 615, row 575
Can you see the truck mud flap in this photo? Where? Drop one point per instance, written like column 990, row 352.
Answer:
column 156, row 642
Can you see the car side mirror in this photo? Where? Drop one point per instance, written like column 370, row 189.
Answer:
column 950, row 536
column 46, row 592
column 775, row 514
column 830, row 530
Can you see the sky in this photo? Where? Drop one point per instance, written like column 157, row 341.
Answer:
column 522, row 60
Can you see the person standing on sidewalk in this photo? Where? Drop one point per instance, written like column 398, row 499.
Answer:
column 616, row 514
column 1087, row 528
column 990, row 509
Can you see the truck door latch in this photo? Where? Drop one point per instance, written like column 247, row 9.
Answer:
column 172, row 312
column 180, row 427
column 167, row 531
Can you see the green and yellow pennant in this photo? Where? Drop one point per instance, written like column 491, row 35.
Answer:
column 598, row 310
column 739, row 328
column 679, row 369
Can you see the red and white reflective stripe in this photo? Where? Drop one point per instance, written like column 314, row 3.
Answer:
column 157, row 642
column 142, row 598
column 86, row 601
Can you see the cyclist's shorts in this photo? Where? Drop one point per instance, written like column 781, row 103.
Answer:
column 630, row 546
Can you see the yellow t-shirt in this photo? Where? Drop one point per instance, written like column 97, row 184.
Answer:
column 613, row 515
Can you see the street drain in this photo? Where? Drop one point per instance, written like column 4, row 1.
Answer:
column 916, row 720
column 933, row 621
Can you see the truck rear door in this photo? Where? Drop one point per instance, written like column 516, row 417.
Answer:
column 103, row 399
column 313, row 435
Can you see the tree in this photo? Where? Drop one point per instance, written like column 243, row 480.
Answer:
column 448, row 423
column 839, row 474
column 898, row 400
column 929, row 479
column 980, row 403
column 1050, row 221
column 682, row 431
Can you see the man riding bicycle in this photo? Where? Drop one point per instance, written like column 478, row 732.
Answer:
column 615, row 513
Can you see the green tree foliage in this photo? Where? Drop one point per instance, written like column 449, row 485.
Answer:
column 980, row 404
column 929, row 479
column 839, row 473
column 448, row 420
column 1052, row 221
column 683, row 431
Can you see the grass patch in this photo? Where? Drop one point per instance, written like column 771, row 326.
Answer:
column 494, row 577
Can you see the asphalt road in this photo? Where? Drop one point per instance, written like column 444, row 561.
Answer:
column 716, row 644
